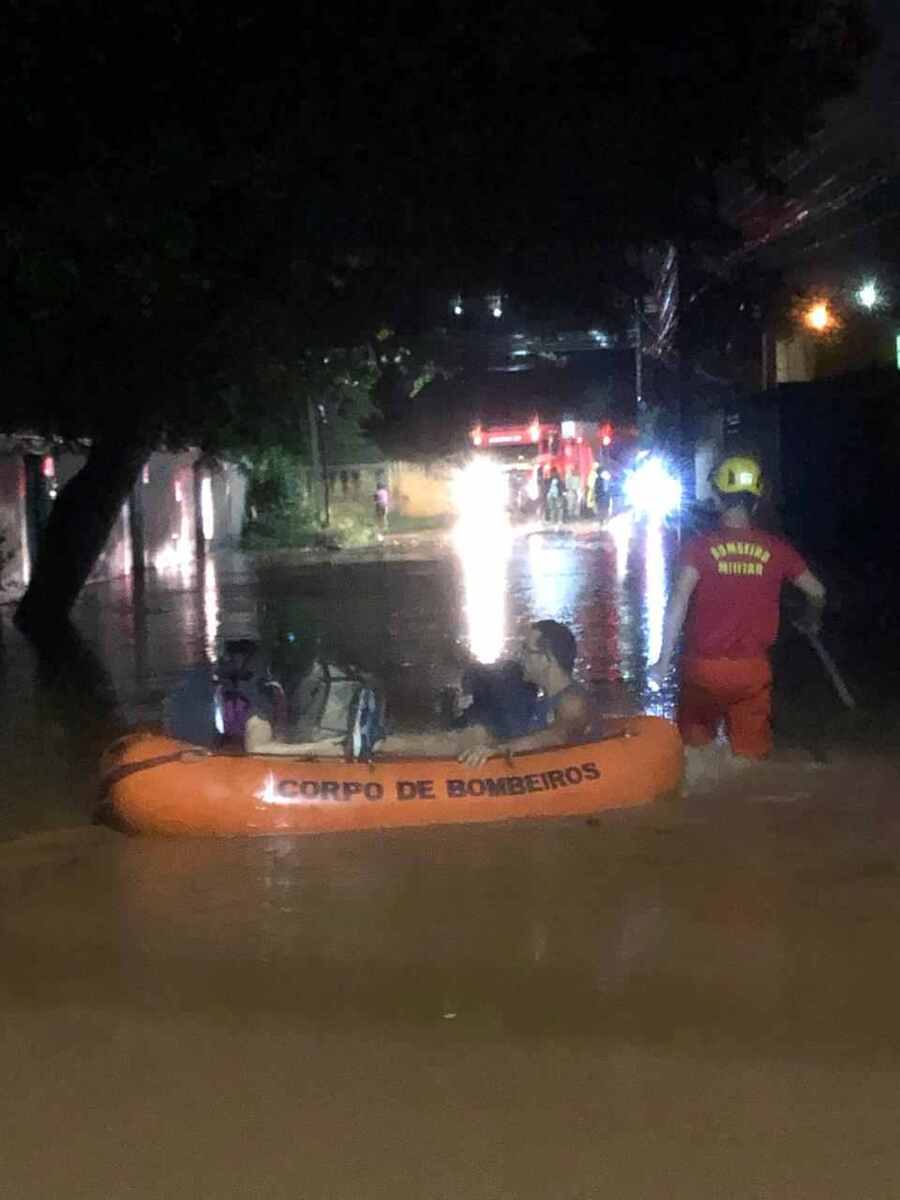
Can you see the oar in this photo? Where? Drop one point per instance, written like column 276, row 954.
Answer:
column 829, row 664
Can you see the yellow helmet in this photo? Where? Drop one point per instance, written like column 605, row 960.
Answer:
column 738, row 475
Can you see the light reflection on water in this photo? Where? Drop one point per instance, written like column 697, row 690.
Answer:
column 484, row 556
column 554, row 570
column 654, row 588
column 655, row 596
column 211, row 608
column 621, row 529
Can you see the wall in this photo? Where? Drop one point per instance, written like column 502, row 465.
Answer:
column 228, row 490
column 421, row 490
column 170, row 516
column 417, row 490
column 164, row 501
column 831, row 454
column 795, row 359
column 708, row 444
column 13, row 570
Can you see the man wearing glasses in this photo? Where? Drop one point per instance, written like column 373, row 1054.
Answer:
column 562, row 714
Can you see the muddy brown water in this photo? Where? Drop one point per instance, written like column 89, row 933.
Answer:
column 695, row 1000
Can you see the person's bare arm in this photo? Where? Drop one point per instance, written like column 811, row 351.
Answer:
column 814, row 591
column 676, row 611
column 572, row 720
column 259, row 739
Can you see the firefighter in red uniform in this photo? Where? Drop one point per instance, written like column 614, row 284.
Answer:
column 727, row 598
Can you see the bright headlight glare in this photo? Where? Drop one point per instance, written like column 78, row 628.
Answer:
column 651, row 489
column 481, row 493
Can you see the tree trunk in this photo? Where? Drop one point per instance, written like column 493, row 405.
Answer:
column 80, row 523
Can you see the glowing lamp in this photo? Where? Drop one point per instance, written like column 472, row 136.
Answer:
column 534, row 430
column 818, row 316
column 868, row 295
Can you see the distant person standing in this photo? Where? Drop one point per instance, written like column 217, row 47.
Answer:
column 590, row 490
column 382, row 504
column 554, row 498
column 727, row 598
column 573, row 496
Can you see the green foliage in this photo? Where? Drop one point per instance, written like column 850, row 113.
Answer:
column 274, row 483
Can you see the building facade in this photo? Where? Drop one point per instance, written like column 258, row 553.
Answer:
column 181, row 505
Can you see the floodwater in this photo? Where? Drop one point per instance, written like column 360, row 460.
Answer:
column 694, row 1000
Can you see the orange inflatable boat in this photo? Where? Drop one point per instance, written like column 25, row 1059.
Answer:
column 154, row 784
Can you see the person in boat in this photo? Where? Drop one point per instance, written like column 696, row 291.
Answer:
column 210, row 705
column 561, row 714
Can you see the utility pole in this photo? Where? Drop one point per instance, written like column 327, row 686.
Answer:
column 638, row 357
column 314, row 452
column 323, row 450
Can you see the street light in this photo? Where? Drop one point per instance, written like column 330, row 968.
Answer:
column 819, row 317
column 868, row 295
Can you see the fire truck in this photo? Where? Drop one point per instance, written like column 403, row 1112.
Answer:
column 529, row 455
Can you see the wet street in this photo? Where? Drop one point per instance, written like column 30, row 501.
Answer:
column 693, row 1000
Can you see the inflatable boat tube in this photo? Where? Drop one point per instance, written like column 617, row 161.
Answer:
column 157, row 785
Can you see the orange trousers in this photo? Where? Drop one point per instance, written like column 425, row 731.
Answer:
column 738, row 690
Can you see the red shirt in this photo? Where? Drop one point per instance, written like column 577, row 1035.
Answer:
column 734, row 607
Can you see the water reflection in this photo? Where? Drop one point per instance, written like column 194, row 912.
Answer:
column 210, row 608
column 484, row 557
column 654, row 588
column 654, row 610
column 483, row 541
column 555, row 577
column 621, row 529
